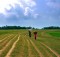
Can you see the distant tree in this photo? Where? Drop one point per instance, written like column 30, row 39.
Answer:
column 51, row 27
column 15, row 27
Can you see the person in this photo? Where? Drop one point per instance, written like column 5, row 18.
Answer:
column 35, row 35
column 29, row 32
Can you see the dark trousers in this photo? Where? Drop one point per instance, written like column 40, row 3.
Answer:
column 29, row 34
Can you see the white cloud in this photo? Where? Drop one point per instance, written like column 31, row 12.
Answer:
column 30, row 3
column 28, row 11
column 5, row 4
column 28, row 6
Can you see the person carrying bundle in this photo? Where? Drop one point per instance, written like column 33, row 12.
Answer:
column 35, row 35
column 29, row 32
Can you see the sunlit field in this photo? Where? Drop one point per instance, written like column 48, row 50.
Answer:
column 17, row 43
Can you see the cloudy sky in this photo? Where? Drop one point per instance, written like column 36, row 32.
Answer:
column 35, row 13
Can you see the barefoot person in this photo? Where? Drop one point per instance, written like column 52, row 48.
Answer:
column 35, row 35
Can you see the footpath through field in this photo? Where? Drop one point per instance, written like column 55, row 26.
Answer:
column 4, row 37
column 51, row 50
column 20, row 45
column 40, row 54
column 13, row 46
column 43, row 34
column 6, row 46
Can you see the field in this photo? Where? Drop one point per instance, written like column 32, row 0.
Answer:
column 17, row 43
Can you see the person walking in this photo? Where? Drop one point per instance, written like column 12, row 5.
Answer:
column 29, row 32
column 35, row 35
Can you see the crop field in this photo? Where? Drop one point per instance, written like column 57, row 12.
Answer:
column 17, row 43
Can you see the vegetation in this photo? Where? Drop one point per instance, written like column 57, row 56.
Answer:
column 46, row 45
column 15, row 27
column 19, row 27
column 55, row 33
column 51, row 27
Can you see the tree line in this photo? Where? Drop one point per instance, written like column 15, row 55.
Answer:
column 15, row 27
column 19, row 27
column 51, row 27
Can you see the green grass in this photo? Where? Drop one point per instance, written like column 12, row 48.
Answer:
column 16, row 51
column 55, row 34
column 51, row 38
column 8, row 48
column 4, row 42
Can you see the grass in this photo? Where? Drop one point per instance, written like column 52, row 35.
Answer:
column 4, row 42
column 55, row 34
column 52, row 41
column 49, row 37
column 16, row 51
column 8, row 47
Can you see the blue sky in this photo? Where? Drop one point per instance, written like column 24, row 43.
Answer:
column 34, row 13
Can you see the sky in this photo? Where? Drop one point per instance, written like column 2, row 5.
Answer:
column 34, row 13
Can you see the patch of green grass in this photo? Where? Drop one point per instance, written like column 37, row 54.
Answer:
column 54, row 33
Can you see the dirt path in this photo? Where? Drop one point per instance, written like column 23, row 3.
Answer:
column 4, row 42
column 54, row 52
column 6, row 46
column 5, row 38
column 22, row 47
column 47, row 53
column 29, row 49
column 13, row 46
column 40, row 54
